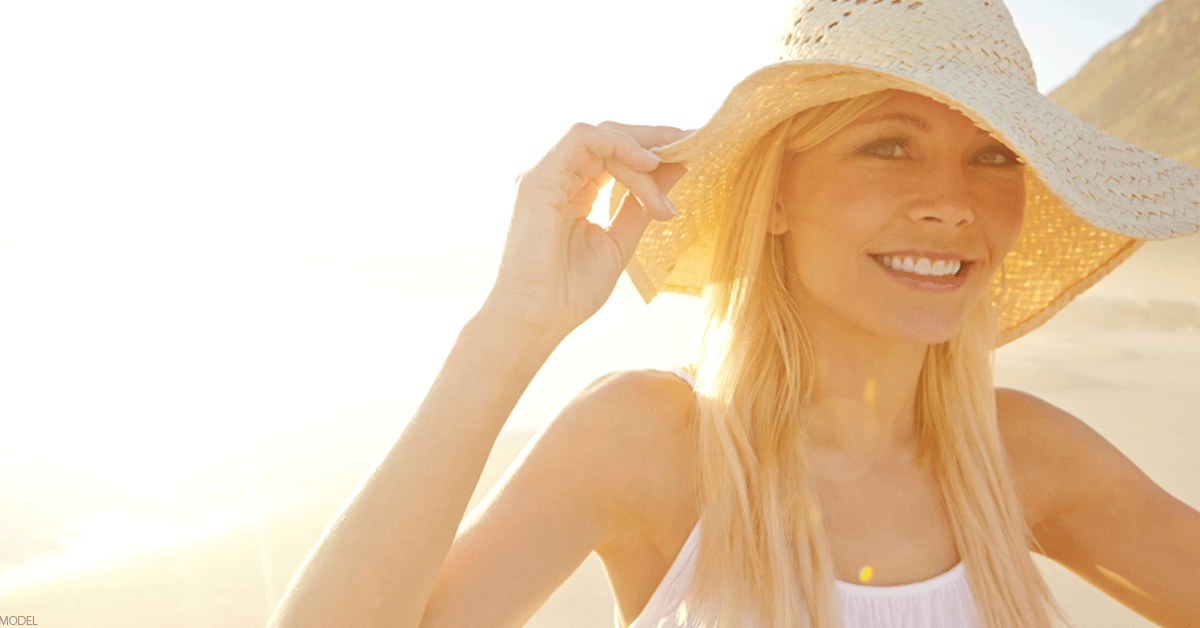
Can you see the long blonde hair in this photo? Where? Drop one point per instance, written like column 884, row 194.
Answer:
column 763, row 550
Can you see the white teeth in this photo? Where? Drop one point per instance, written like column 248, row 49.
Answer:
column 923, row 266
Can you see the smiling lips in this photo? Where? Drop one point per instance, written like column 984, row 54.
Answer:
column 925, row 273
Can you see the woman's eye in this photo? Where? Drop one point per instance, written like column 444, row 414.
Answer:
column 888, row 149
column 998, row 157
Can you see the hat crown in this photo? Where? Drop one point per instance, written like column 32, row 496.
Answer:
column 908, row 37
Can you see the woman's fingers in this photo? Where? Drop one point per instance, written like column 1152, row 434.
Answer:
column 648, row 136
column 570, row 176
column 627, row 226
column 668, row 175
column 585, row 197
column 558, row 268
column 584, row 159
column 631, row 219
column 645, row 188
column 599, row 143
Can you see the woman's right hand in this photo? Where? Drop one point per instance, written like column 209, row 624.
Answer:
column 558, row 268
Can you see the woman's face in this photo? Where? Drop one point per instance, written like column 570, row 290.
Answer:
column 896, row 223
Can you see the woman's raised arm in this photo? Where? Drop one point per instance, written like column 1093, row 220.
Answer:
column 377, row 561
column 1102, row 517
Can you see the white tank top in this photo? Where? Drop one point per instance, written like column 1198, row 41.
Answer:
column 941, row 602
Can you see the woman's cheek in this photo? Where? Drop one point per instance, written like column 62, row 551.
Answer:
column 1010, row 219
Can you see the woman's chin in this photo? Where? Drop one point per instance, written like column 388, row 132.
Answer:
column 926, row 329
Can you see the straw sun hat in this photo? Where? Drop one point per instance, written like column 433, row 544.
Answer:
column 1091, row 199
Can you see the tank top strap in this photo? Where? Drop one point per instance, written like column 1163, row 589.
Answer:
column 683, row 374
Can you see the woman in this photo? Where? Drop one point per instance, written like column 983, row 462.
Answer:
column 867, row 220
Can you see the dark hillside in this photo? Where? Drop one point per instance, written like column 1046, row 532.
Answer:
column 1144, row 87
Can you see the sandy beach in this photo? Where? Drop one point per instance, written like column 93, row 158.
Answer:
column 219, row 579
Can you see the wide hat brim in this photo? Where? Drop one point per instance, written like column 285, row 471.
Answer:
column 1091, row 199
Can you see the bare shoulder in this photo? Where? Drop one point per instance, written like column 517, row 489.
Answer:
column 643, row 423
column 625, row 440
column 1094, row 511
column 647, row 398
column 1036, row 431
column 633, row 432
column 1021, row 411
column 1047, row 449
column 1060, row 463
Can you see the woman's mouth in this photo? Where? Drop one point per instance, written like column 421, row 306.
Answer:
column 925, row 273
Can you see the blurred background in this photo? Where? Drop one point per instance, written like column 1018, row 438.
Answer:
column 237, row 239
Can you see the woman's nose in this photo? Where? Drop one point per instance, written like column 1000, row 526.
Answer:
column 946, row 201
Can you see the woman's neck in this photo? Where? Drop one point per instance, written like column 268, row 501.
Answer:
column 863, row 395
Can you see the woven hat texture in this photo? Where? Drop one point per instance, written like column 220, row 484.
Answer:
column 1091, row 199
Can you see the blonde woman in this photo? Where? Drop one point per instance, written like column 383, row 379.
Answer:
column 867, row 219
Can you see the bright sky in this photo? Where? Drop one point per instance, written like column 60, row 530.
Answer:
column 237, row 230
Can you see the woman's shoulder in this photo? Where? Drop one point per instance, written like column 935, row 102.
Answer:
column 627, row 441
column 631, row 425
column 1034, row 429
column 1049, row 451
column 642, row 391
column 642, row 415
column 1022, row 416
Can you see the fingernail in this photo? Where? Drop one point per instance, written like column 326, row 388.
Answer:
column 656, row 158
column 670, row 205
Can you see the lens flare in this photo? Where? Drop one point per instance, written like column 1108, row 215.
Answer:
column 865, row 574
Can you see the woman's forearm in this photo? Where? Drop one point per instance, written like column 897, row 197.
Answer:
column 377, row 561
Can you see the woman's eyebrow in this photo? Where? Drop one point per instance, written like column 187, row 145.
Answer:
column 910, row 119
column 906, row 118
